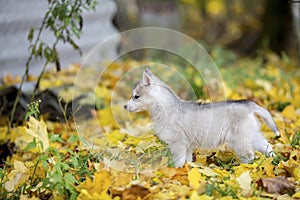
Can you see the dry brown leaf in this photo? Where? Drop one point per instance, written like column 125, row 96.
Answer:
column 278, row 185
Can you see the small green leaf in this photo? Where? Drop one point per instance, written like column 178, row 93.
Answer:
column 46, row 182
column 57, row 178
column 57, row 33
column 56, row 138
column 70, row 178
column 74, row 161
column 31, row 145
column 209, row 189
column 47, row 52
column 2, row 173
column 73, row 138
column 296, row 139
column 55, row 151
column 39, row 51
column 45, row 164
column 30, row 34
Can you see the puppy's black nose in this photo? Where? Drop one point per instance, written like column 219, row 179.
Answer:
column 125, row 106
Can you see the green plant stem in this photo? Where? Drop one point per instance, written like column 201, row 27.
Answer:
column 36, row 87
column 25, row 75
column 34, row 170
column 58, row 22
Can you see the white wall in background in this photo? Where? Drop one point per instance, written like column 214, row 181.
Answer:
column 16, row 18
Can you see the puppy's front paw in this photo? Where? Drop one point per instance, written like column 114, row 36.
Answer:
column 179, row 162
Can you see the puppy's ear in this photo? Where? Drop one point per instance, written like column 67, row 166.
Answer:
column 147, row 76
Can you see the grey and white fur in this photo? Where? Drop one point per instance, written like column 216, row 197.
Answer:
column 186, row 125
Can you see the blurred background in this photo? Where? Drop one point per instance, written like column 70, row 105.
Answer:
column 244, row 27
column 241, row 25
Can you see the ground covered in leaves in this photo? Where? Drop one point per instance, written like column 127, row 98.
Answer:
column 117, row 156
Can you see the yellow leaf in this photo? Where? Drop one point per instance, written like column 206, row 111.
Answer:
column 264, row 84
column 20, row 167
column 226, row 198
column 292, row 167
column 144, row 145
column 198, row 81
column 297, row 123
column 221, row 173
column 105, row 117
column 194, row 195
column 172, row 191
column 244, row 181
column 225, row 156
column 53, row 83
column 271, row 68
column 216, row 7
column 296, row 101
column 115, row 137
column 207, row 172
column 120, row 178
column 269, row 168
column 297, row 173
column 130, row 140
column 206, row 197
column 289, row 112
column 249, row 83
column 201, row 159
column 194, row 178
column 3, row 132
column 15, row 133
column 168, row 172
column 96, row 189
column 17, row 176
column 103, row 92
column 38, row 130
column 86, row 195
column 296, row 195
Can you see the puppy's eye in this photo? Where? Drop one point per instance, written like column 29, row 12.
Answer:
column 136, row 96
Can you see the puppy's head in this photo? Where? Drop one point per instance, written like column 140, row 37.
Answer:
column 144, row 93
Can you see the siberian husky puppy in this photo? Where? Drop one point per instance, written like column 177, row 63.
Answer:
column 186, row 125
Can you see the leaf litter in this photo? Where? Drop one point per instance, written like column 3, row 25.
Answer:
column 126, row 160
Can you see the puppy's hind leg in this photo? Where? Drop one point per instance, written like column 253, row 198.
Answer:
column 262, row 145
column 243, row 149
column 245, row 154
column 241, row 142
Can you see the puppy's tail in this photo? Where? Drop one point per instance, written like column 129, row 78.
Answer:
column 265, row 114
